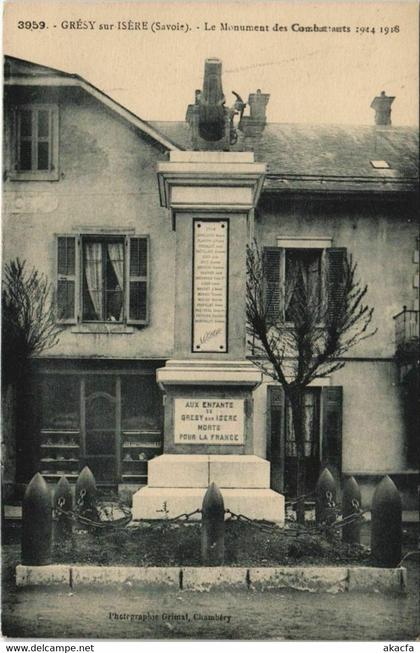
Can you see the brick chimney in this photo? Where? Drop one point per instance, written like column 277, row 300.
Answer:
column 382, row 107
column 254, row 124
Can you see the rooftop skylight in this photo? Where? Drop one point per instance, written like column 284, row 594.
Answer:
column 380, row 165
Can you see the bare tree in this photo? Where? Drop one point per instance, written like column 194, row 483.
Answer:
column 29, row 327
column 29, row 323
column 301, row 331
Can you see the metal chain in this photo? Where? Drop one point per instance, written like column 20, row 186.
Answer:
column 183, row 518
column 264, row 526
column 302, row 496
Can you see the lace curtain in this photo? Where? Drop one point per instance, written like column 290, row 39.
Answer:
column 93, row 275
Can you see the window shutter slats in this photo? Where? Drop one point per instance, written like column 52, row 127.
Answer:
column 275, row 440
column 335, row 275
column 36, row 142
column 66, row 279
column 332, row 409
column 272, row 270
column 138, row 284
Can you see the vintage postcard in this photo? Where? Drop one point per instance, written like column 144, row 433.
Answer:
column 210, row 311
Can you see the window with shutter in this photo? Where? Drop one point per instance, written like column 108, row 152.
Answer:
column 320, row 268
column 67, row 278
column 112, row 273
column 35, row 142
column 138, row 281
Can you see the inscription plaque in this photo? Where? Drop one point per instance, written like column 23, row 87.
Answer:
column 209, row 421
column 210, row 249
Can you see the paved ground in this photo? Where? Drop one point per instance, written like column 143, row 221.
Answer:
column 281, row 615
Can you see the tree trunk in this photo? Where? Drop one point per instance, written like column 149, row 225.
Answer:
column 296, row 399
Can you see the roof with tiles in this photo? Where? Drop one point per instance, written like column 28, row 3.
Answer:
column 339, row 156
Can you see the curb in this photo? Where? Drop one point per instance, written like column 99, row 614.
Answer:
column 309, row 579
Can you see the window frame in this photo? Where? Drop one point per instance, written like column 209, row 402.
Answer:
column 103, row 239
column 52, row 174
column 104, row 236
column 292, row 243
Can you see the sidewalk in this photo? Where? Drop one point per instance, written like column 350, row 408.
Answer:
column 127, row 613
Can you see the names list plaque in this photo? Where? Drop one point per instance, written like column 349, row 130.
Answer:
column 210, row 251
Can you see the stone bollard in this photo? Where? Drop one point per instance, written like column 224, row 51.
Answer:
column 325, row 498
column 213, row 527
column 37, row 523
column 63, row 499
column 351, row 504
column 386, row 525
column 85, row 494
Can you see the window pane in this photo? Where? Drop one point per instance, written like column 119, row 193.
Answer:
column 100, row 426
column 43, row 124
column 92, row 281
column 311, row 426
column 141, row 403
column 60, row 402
column 65, row 299
column 66, row 256
column 43, row 155
column 25, row 155
column 25, row 123
column 303, row 280
column 114, row 305
column 138, row 300
column 138, row 257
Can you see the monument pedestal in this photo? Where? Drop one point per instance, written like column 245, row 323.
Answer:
column 208, row 385
column 179, row 483
column 208, row 408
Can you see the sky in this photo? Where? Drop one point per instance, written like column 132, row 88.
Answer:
column 312, row 76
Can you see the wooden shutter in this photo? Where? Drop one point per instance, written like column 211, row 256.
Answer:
column 138, row 281
column 37, row 144
column 332, row 420
column 275, row 436
column 67, row 278
column 273, row 258
column 335, row 276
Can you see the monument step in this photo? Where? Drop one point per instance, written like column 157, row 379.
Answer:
column 198, row 471
column 160, row 502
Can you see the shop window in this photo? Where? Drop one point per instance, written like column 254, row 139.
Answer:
column 141, row 403
column 60, row 402
column 36, row 142
column 111, row 275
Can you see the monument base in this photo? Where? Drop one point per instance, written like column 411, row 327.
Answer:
column 177, row 484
